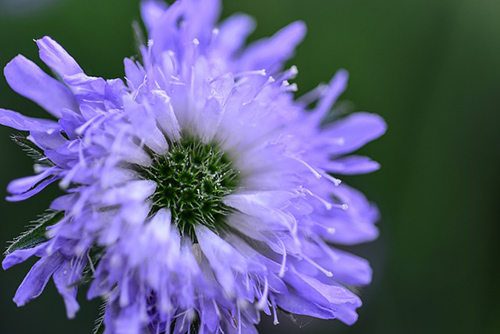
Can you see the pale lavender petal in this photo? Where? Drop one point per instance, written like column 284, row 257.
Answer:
column 352, row 164
column 24, row 184
column 296, row 304
column 144, row 125
column 22, row 255
column 268, row 54
column 33, row 191
column 151, row 11
column 19, row 122
column 57, row 58
column 202, row 14
column 66, row 279
column 51, row 140
column 134, row 74
column 233, row 33
column 347, row 268
column 216, row 250
column 354, row 131
column 28, row 80
column 335, row 88
column 37, row 278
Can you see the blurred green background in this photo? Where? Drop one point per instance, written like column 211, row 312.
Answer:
column 431, row 68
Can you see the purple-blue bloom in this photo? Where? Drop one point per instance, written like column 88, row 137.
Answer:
column 198, row 190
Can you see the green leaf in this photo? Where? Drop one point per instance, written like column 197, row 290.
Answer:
column 99, row 324
column 37, row 234
column 139, row 38
column 99, row 329
column 33, row 151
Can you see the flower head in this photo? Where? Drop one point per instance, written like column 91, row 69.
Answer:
column 198, row 191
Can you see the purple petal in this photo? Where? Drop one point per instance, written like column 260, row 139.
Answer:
column 22, row 255
column 341, row 302
column 346, row 268
column 354, row 225
column 133, row 191
column 271, row 53
column 233, row 33
column 203, row 15
column 66, row 279
column 296, row 304
column 212, row 114
column 354, row 131
column 36, row 280
column 335, row 88
column 165, row 116
column 144, row 125
column 69, row 122
column 217, row 250
column 39, row 187
column 151, row 11
column 81, row 79
column 24, row 184
column 134, row 73
column 48, row 140
column 28, row 80
column 208, row 315
column 167, row 22
column 57, row 58
column 19, row 122
column 353, row 164
column 129, row 321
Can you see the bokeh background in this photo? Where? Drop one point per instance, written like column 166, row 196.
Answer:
column 431, row 68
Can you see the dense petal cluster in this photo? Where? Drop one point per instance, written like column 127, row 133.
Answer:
column 198, row 191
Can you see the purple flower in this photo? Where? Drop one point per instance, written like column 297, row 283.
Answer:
column 198, row 191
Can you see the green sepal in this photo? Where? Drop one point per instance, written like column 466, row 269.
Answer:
column 37, row 234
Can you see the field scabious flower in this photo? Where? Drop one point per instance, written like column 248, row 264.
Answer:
column 198, row 191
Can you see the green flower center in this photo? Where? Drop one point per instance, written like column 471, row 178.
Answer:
column 192, row 179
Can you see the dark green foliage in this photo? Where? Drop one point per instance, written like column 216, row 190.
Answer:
column 37, row 234
column 99, row 323
column 33, row 151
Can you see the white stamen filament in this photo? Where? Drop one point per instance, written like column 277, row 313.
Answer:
column 317, row 266
column 263, row 299
column 327, row 204
column 249, row 73
column 283, row 261
column 334, row 180
column 318, row 175
column 275, row 315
